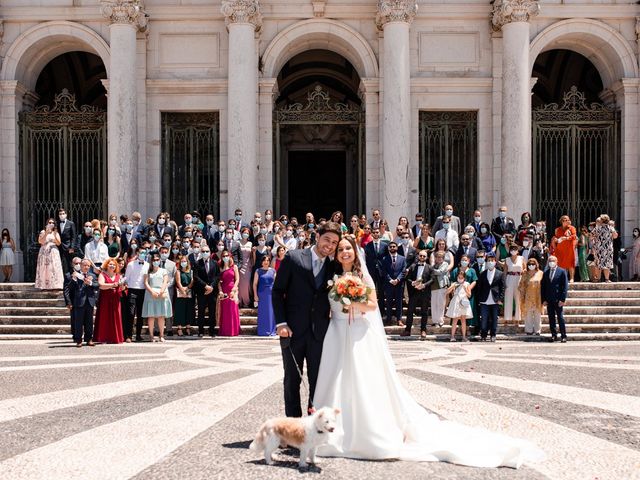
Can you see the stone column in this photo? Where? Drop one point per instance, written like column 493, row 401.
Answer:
column 512, row 16
column 243, row 20
column 394, row 18
column 127, row 17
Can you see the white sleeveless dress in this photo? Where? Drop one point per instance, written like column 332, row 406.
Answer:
column 380, row 419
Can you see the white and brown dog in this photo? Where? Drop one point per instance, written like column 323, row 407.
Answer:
column 306, row 433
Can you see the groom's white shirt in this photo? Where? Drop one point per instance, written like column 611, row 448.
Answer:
column 314, row 257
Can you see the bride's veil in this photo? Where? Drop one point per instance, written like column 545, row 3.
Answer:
column 374, row 317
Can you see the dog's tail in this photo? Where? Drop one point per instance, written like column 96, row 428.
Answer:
column 258, row 444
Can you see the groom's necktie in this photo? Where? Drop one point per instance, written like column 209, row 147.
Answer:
column 317, row 270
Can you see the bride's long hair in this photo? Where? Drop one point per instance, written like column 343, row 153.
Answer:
column 357, row 266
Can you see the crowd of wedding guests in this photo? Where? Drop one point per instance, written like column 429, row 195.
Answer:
column 192, row 277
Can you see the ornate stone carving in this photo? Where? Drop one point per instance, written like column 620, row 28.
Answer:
column 318, row 7
column 507, row 11
column 242, row 11
column 319, row 108
column 395, row 11
column 125, row 12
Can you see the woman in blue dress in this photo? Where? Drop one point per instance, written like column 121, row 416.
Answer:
column 262, row 285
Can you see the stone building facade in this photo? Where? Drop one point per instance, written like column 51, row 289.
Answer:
column 342, row 104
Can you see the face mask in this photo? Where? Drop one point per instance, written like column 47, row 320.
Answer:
column 289, row 233
column 257, row 219
column 63, row 217
column 156, row 263
column 477, row 219
column 245, row 236
column 448, row 213
column 483, row 230
column 221, row 228
column 268, row 217
column 134, row 247
column 491, row 265
column 195, row 250
column 161, row 221
column 152, row 239
column 301, row 238
column 232, row 226
column 142, row 255
column 128, row 228
column 183, row 264
column 199, row 238
column 470, row 234
column 525, row 243
column 187, row 221
column 446, row 226
column 111, row 231
column 196, row 220
column 136, row 223
column 464, row 263
column 311, row 225
column 209, row 223
column 531, row 267
column 96, row 238
column 220, row 248
column 285, row 222
column 112, row 223
column 229, row 236
column 480, row 261
column 635, row 234
column 185, row 244
column 88, row 230
column 460, row 280
column 502, row 214
column 167, row 243
column 164, row 256
column 513, row 252
column 261, row 243
column 263, row 231
column 77, row 266
column 226, row 259
column 276, row 229
column 206, row 255
column 503, row 240
column 175, row 251
column 238, row 218
column 188, row 234
column 552, row 264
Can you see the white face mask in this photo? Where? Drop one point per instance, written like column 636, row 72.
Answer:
column 161, row 221
column 220, row 248
column 525, row 243
column 491, row 265
column 531, row 267
column 229, row 236
column 552, row 264
column 464, row 263
column 77, row 266
column 477, row 219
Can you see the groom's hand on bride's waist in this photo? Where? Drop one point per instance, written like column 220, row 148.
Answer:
column 284, row 331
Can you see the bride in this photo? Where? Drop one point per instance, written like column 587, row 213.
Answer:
column 380, row 419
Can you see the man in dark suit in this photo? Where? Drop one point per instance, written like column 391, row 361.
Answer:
column 67, row 231
column 455, row 221
column 161, row 227
column 554, row 288
column 374, row 252
column 490, row 295
column 419, row 285
column 393, row 267
column 502, row 225
column 477, row 221
column 206, row 289
column 417, row 228
column 80, row 296
column 210, row 231
column 529, row 250
column 233, row 246
column 301, row 309
column 127, row 235
column 465, row 248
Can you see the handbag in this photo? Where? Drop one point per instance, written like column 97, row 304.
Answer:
column 184, row 295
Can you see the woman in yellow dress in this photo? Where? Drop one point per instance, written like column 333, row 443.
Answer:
column 530, row 298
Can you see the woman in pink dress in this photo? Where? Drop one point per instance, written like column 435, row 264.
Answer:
column 49, row 274
column 229, row 312
column 108, row 324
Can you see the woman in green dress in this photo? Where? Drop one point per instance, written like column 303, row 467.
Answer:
column 425, row 240
column 583, row 252
column 184, row 310
column 471, row 277
column 113, row 242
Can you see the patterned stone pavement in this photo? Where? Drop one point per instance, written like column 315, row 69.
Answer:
column 187, row 409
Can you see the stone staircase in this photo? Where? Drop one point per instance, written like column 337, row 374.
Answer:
column 593, row 311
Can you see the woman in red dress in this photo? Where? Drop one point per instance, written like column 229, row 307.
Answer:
column 228, row 308
column 565, row 241
column 108, row 324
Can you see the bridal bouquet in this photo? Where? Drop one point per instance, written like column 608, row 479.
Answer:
column 347, row 289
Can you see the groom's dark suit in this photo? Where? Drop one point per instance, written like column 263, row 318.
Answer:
column 301, row 301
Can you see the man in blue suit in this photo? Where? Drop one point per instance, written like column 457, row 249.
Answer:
column 393, row 267
column 374, row 252
column 554, row 288
column 80, row 295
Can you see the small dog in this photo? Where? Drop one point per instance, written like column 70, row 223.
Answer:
column 306, row 433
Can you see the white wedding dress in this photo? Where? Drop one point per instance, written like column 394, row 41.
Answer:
column 380, row 419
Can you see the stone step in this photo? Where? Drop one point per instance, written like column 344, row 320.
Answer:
column 602, row 302
column 600, row 310
column 65, row 320
column 600, row 293
column 38, row 330
column 30, row 294
column 31, row 302
column 35, row 311
column 16, row 286
column 605, row 286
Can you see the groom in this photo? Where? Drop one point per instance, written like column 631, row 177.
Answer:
column 301, row 308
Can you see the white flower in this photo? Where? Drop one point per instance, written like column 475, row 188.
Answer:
column 330, row 283
column 346, row 301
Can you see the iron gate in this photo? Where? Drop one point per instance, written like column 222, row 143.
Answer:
column 448, row 163
column 191, row 163
column 63, row 163
column 576, row 160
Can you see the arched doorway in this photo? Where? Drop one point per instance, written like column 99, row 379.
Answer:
column 576, row 141
column 63, row 147
column 318, row 136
